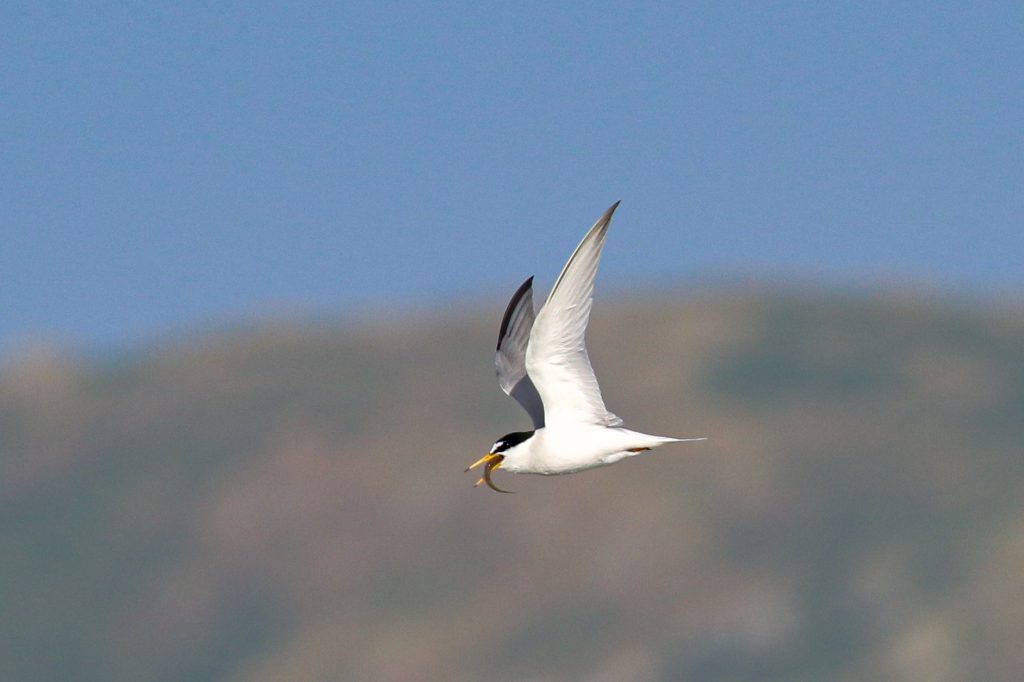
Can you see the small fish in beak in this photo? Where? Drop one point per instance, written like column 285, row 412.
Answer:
column 491, row 462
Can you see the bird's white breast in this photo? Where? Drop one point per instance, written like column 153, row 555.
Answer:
column 565, row 450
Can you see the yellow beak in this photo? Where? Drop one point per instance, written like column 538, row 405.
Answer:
column 491, row 461
column 486, row 458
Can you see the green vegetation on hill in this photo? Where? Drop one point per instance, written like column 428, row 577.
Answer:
column 289, row 504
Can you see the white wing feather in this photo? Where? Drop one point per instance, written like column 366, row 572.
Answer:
column 556, row 358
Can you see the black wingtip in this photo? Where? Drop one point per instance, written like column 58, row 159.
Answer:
column 606, row 217
column 506, row 318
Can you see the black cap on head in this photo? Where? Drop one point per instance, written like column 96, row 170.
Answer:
column 510, row 441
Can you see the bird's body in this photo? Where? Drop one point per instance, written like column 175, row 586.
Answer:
column 572, row 448
column 542, row 362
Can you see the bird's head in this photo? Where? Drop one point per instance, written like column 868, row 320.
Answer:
column 499, row 451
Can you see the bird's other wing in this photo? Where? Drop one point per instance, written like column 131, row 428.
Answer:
column 510, row 359
column 556, row 357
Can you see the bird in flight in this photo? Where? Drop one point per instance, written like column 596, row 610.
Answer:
column 542, row 362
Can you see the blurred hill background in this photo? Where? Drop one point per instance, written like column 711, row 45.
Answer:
column 253, row 257
column 288, row 503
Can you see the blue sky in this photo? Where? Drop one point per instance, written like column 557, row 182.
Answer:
column 168, row 166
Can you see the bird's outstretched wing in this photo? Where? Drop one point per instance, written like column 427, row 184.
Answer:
column 556, row 357
column 510, row 359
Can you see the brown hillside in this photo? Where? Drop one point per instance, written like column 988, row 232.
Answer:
column 289, row 504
